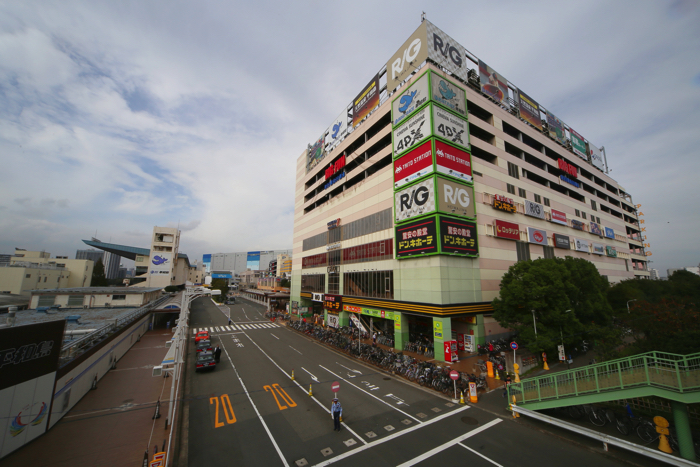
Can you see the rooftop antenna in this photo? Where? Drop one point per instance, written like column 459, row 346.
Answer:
column 422, row 16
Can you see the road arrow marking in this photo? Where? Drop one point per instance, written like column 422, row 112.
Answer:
column 350, row 369
column 312, row 376
column 398, row 400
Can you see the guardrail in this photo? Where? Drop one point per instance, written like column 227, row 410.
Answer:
column 672, row 372
column 77, row 347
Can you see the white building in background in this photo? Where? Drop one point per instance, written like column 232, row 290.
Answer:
column 654, row 274
column 693, row 269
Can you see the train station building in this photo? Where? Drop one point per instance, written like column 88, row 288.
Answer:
column 438, row 176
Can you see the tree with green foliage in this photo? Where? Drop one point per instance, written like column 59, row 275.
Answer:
column 284, row 283
column 566, row 298
column 220, row 284
column 98, row 275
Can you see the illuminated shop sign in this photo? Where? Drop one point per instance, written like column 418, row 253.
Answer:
column 415, row 200
column 335, row 167
column 334, row 224
column 416, row 238
column 453, row 161
column 413, row 164
column 445, row 92
column 504, row 204
column 458, row 237
column 413, row 131
column 562, row 241
column 507, row 230
column 566, row 179
column 333, row 303
column 450, row 127
column 334, row 180
column 455, row 198
column 409, row 100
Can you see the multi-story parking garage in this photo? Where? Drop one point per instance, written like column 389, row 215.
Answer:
column 438, row 177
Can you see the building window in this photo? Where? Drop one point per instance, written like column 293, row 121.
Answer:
column 334, row 283
column 598, row 219
column 583, row 215
column 538, row 199
column 375, row 284
column 548, row 252
column 118, row 297
column 513, row 170
column 523, row 251
column 522, row 193
column 45, row 277
column 510, row 188
column 593, row 205
column 313, row 283
column 75, row 300
column 546, row 201
column 578, row 213
column 46, row 300
column 28, row 276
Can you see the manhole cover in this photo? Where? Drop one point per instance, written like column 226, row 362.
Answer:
column 326, row 452
column 389, row 428
column 371, row 434
column 301, row 462
column 350, row 442
column 469, row 421
column 406, row 422
column 387, row 379
column 421, row 415
column 450, row 404
column 436, row 410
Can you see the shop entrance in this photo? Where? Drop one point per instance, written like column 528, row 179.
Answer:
column 420, row 335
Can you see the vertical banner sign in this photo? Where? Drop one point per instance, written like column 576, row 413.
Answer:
column 529, row 110
column 337, row 131
column 597, row 157
column 416, row 238
column 556, row 128
column 409, row 100
column 445, row 51
column 452, row 161
column 415, row 200
column 493, row 84
column 414, row 164
column 413, row 131
column 448, row 94
column 578, row 144
column 458, row 237
column 366, row 101
column 450, row 127
column 455, row 198
column 410, row 55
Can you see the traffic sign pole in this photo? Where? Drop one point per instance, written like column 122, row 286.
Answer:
column 514, row 346
column 455, row 376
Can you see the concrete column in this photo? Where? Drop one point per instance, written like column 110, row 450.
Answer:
column 442, row 331
column 682, row 424
column 400, row 330
column 344, row 318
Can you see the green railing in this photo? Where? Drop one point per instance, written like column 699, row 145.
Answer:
column 670, row 372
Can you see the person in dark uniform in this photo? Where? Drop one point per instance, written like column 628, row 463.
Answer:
column 217, row 354
column 336, row 413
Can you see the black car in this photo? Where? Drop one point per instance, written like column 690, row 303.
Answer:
column 205, row 346
column 205, row 360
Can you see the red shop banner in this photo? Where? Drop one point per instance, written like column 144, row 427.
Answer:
column 507, row 230
column 453, row 161
column 413, row 164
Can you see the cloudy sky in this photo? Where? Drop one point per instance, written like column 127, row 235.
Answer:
column 118, row 116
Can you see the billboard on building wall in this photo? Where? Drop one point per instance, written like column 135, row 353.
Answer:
column 508, row 230
column 597, row 249
column 315, row 153
column 581, row 245
column 578, row 225
column 415, row 200
column 413, row 131
column 453, row 161
column 410, row 55
column 206, row 260
column 414, row 164
column 595, row 229
column 556, row 128
column 448, row 94
column 562, row 241
column 366, row 101
column 253, row 260
column 416, row 238
column 455, row 198
column 450, row 127
column 458, row 237
column 610, row 233
column 559, row 217
column 578, row 144
column 611, row 251
column 160, row 263
column 493, row 84
column 596, row 157
column 446, row 52
column 537, row 236
column 410, row 99
column 337, row 131
column 529, row 110
column 533, row 209
column 29, row 357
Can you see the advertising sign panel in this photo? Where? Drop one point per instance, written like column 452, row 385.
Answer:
column 610, row 233
column 458, row 236
column 414, row 164
column 332, row 303
column 455, row 198
column 446, row 51
column 595, row 229
column 337, row 131
column 366, row 101
column 415, row 200
column 413, row 131
column 578, row 225
column 450, row 127
column 453, row 161
column 529, row 110
column 556, row 128
column 161, row 263
column 333, row 321
column 410, row 55
column 410, row 99
column 562, row 241
column 559, row 217
column 596, row 157
column 533, row 209
column 581, row 245
column 578, row 144
column 416, row 238
column 315, row 153
column 505, row 229
column 504, row 204
column 437, row 329
column 611, row 251
column 597, row 249
column 460, row 341
column 537, row 236
column 448, row 94
column 493, row 84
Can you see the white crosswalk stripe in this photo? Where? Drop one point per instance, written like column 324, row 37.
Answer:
column 227, row 328
column 217, row 329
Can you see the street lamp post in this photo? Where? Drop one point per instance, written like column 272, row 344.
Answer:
column 561, row 334
column 534, row 323
column 628, row 304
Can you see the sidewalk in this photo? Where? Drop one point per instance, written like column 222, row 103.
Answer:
column 110, row 426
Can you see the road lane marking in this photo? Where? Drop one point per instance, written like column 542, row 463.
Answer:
column 350, row 369
column 274, row 336
column 304, row 389
column 312, row 376
column 230, row 419
column 217, row 328
column 392, row 437
column 480, row 455
column 449, row 444
column 269, row 434
column 295, row 350
column 370, row 394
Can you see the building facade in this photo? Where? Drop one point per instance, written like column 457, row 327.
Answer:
column 239, row 262
column 437, row 178
column 30, row 270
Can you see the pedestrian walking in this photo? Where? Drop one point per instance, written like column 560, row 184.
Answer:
column 229, row 321
column 336, row 413
column 374, row 338
column 217, row 354
column 490, row 349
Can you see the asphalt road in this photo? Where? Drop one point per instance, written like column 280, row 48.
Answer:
column 249, row 412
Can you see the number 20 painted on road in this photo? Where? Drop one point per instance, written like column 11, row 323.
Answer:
column 230, row 419
column 283, row 394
